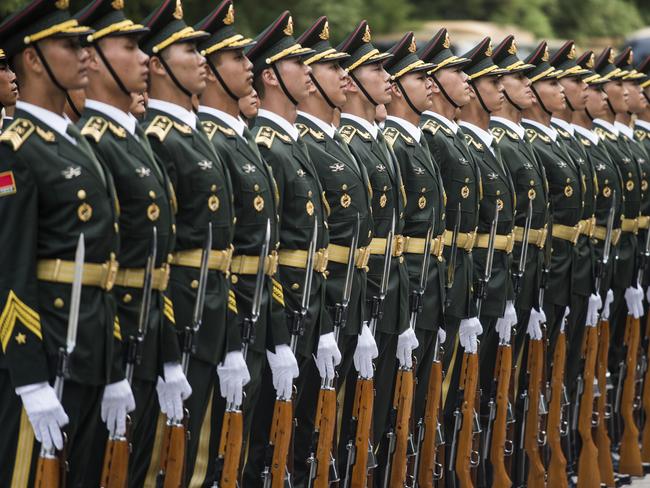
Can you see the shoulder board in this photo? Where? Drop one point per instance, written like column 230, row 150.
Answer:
column 95, row 128
column 640, row 134
column 347, row 133
column 183, row 128
column 210, row 128
column 431, row 126
column 584, row 141
column 470, row 141
column 303, row 129
column 531, row 135
column 498, row 133
column 604, row 134
column 159, row 127
column 562, row 132
column 316, row 134
column 265, row 137
column 46, row 135
column 391, row 134
column 117, row 130
column 17, row 133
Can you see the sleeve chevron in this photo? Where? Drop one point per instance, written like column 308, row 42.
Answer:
column 168, row 309
column 117, row 330
column 232, row 302
column 15, row 309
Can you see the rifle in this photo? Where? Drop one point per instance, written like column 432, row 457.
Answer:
column 322, row 465
column 644, row 370
column 430, row 435
column 52, row 466
column 276, row 468
column 232, row 429
column 115, row 469
column 557, row 462
column 360, row 456
column 171, row 472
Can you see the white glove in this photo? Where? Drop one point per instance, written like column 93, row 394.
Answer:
column 634, row 301
column 45, row 413
column 365, row 352
column 442, row 335
column 567, row 311
column 468, row 333
column 328, row 356
column 284, row 368
column 172, row 390
column 537, row 317
column 609, row 298
column 506, row 323
column 406, row 343
column 117, row 401
column 233, row 375
column 595, row 303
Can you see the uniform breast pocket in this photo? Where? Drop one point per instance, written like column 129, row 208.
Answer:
column 304, row 201
column 421, row 198
column 382, row 195
column 206, row 178
column 528, row 186
column 462, row 189
column 344, row 197
column 254, row 201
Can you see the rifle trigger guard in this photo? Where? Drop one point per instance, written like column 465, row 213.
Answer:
column 474, row 459
column 508, row 448
column 438, row 471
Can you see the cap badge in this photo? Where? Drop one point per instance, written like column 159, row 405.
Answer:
column 178, row 11
column 366, row 35
column 591, row 61
column 488, row 52
column 513, row 48
column 413, row 47
column 610, row 58
column 545, row 56
column 325, row 33
column 572, row 52
column 117, row 4
column 62, row 4
column 447, row 42
column 630, row 58
column 288, row 30
column 229, row 19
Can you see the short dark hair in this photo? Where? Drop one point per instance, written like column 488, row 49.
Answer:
column 258, row 84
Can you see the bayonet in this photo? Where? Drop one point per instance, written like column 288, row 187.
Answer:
column 483, row 281
column 299, row 316
column 451, row 267
column 378, row 300
column 521, row 269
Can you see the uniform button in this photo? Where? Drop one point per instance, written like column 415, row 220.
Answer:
column 234, row 220
column 116, row 227
column 310, row 193
column 174, row 228
column 401, row 259
column 423, row 189
column 629, row 174
column 369, row 234
column 344, row 186
column 81, row 194
column 194, row 284
column 213, row 188
column 568, row 180
column 152, row 194
column 127, row 298
column 234, row 278
column 170, row 258
column 466, row 180
column 112, row 256
column 498, row 192
column 295, row 286
column 58, row 303
column 385, row 188
column 532, row 182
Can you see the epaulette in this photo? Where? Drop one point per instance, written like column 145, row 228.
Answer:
column 470, row 141
column 95, row 128
column 303, row 129
column 210, row 128
column 347, row 133
column 562, row 132
column 391, row 134
column 584, row 141
column 356, row 131
column 640, row 134
column 17, row 133
column 433, row 126
column 498, row 133
column 184, row 129
column 159, row 127
column 266, row 135
column 604, row 134
column 117, row 130
column 46, row 135
column 532, row 134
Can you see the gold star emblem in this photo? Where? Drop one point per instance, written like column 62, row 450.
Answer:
column 413, row 47
column 591, row 61
column 610, row 58
column 572, row 52
column 630, row 57
column 513, row 48
column 288, row 30
column 545, row 56
column 84, row 212
column 178, row 11
column 325, row 33
column 21, row 338
column 230, row 16
column 447, row 42
column 488, row 52
column 366, row 35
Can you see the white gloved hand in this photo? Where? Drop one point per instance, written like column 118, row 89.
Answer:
column 284, row 368
column 45, row 413
column 233, row 376
column 328, row 356
column 506, row 323
column 172, row 390
column 406, row 343
column 534, row 330
column 442, row 335
column 595, row 303
column 365, row 352
column 567, row 311
column 634, row 305
column 117, row 401
column 609, row 298
column 468, row 333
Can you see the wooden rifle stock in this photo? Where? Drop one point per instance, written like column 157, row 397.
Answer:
column 536, row 473
column 325, row 422
column 172, row 459
column 115, row 473
column 50, row 471
column 362, row 411
column 281, row 429
column 503, row 368
column 645, row 436
column 469, row 380
column 403, row 404
column 429, row 449
column 603, row 442
column 588, row 476
column 630, row 461
column 230, row 447
column 557, row 464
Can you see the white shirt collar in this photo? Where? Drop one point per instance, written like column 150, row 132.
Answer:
column 412, row 130
column 329, row 129
column 643, row 123
column 369, row 127
column 281, row 121
column 58, row 122
column 450, row 124
column 516, row 128
column 593, row 138
column 610, row 127
column 549, row 131
column 486, row 137
column 563, row 124
column 116, row 114
column 235, row 123
column 186, row 116
column 624, row 129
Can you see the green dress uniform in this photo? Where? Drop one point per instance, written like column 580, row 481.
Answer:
column 204, row 195
column 301, row 206
column 53, row 189
column 642, row 138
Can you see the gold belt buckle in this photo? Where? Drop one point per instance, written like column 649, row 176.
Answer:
column 320, row 260
column 437, row 246
column 164, row 272
column 399, row 245
column 228, row 258
column 543, row 236
column 271, row 265
column 109, row 269
column 471, row 241
column 510, row 242
column 362, row 257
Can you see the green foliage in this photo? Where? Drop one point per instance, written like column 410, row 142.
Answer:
column 532, row 15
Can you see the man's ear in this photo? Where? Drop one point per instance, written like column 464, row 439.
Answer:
column 31, row 61
column 94, row 62
column 434, row 86
column 268, row 77
column 395, row 91
column 156, row 67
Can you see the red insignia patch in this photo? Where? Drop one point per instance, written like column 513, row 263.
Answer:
column 7, row 184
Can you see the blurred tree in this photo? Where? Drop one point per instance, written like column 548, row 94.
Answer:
column 532, row 15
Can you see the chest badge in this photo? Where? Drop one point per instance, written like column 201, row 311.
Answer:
column 383, row 200
column 492, row 176
column 336, row 167
column 381, row 168
column 309, row 207
column 301, row 173
column 568, row 191
column 561, row 164
column 528, row 166
column 465, row 191
column 153, row 212
column 418, row 171
column 607, row 192
column 71, row 172
column 84, row 212
column 142, row 172
column 422, row 202
column 248, row 168
column 499, row 204
column 600, row 167
column 346, row 200
column 532, row 194
column 258, row 203
column 205, row 164
column 213, row 203
column 629, row 185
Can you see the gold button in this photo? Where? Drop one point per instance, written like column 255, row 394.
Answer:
column 256, row 187
column 174, row 228
column 568, row 180
column 116, row 227
column 295, row 286
column 112, row 256
column 81, row 194
column 532, row 182
column 423, row 189
column 369, row 234
column 385, row 188
column 309, row 193
column 629, row 175
column 213, row 188
column 234, row 278
column 170, row 258
column 498, row 192
column 194, row 284
column 466, row 180
column 344, row 186
column 127, row 298
column 152, row 194
column 58, row 303
column 401, row 259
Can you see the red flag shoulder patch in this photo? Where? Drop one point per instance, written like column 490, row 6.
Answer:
column 7, row 184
